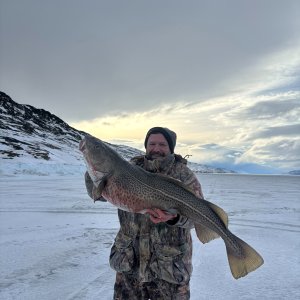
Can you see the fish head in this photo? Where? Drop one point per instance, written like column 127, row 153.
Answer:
column 97, row 156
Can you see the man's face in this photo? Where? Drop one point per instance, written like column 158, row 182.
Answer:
column 157, row 146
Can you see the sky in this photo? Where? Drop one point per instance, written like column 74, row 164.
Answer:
column 224, row 75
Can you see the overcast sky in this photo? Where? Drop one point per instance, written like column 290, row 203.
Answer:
column 225, row 75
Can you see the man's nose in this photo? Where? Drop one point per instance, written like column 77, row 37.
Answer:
column 156, row 148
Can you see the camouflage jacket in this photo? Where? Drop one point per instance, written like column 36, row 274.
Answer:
column 150, row 251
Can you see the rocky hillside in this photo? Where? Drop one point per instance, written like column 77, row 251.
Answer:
column 35, row 141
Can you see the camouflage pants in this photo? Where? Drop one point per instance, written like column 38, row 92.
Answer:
column 128, row 288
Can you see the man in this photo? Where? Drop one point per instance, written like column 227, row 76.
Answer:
column 152, row 253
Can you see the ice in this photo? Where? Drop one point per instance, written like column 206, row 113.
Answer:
column 55, row 242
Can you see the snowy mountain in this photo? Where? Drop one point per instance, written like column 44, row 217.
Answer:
column 35, row 141
column 294, row 172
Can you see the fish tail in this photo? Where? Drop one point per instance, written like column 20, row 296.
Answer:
column 248, row 260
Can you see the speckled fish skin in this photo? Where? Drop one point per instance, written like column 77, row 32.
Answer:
column 133, row 189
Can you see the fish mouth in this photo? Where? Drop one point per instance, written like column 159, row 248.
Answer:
column 82, row 145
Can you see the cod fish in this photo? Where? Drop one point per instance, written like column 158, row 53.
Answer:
column 133, row 189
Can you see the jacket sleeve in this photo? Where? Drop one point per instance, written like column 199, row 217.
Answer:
column 191, row 181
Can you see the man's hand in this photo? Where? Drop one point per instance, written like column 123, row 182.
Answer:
column 157, row 215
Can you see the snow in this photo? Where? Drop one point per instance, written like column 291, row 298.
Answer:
column 55, row 242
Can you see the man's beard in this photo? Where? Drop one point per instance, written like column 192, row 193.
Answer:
column 155, row 155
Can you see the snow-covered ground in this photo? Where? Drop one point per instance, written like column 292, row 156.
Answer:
column 55, row 242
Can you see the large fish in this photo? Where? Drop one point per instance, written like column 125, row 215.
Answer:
column 133, row 189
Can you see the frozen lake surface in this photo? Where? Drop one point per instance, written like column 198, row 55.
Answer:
column 55, row 242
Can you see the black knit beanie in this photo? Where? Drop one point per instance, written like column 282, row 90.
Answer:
column 169, row 135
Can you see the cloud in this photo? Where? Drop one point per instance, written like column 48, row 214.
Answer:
column 271, row 109
column 283, row 131
column 224, row 79
column 275, row 152
column 107, row 57
column 213, row 153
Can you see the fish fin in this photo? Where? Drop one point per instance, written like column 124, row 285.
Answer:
column 89, row 184
column 97, row 191
column 219, row 211
column 205, row 234
column 248, row 262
